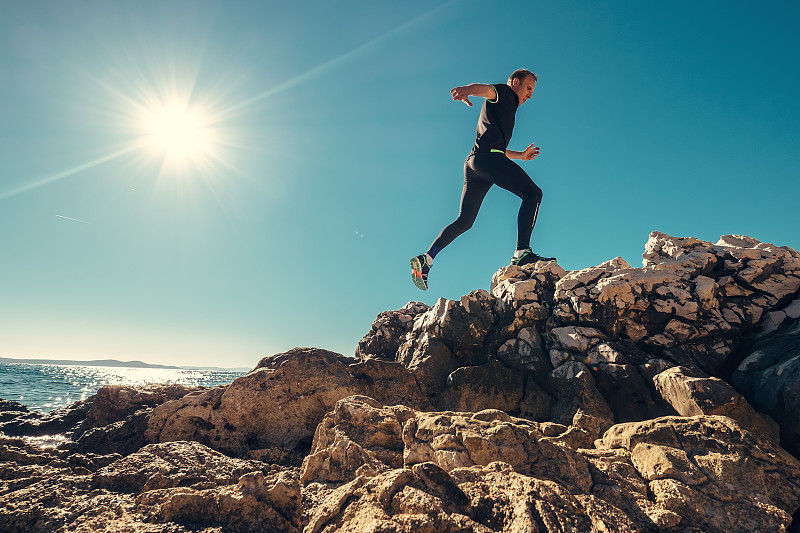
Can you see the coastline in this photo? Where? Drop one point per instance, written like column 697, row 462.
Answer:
column 113, row 363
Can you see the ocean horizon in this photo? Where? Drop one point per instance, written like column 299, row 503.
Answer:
column 45, row 387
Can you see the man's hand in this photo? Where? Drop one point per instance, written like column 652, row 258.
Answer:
column 461, row 93
column 473, row 89
column 530, row 153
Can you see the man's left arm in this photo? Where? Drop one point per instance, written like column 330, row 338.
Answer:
column 526, row 155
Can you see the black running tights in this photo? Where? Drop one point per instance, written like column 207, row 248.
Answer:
column 481, row 171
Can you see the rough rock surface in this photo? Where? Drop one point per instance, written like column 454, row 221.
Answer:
column 108, row 407
column 769, row 372
column 489, row 471
column 655, row 399
column 280, row 402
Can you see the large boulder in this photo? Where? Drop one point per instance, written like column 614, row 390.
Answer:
column 450, row 335
column 113, row 403
column 691, row 392
column 123, row 437
column 488, row 386
column 280, row 402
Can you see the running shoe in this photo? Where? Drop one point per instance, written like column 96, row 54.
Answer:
column 529, row 257
column 419, row 272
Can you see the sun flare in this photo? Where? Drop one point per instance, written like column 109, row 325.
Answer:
column 180, row 133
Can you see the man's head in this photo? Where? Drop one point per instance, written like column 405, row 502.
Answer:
column 522, row 82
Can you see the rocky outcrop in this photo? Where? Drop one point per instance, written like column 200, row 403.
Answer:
column 589, row 345
column 661, row 398
column 488, row 471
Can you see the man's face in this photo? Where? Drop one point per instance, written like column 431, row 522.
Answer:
column 523, row 87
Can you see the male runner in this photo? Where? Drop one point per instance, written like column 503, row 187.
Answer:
column 489, row 163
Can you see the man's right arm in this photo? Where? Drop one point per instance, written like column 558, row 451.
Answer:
column 474, row 89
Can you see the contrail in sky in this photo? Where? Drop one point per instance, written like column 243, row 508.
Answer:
column 69, row 218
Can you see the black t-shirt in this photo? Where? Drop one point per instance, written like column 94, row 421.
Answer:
column 496, row 122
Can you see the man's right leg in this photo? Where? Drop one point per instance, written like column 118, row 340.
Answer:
column 472, row 196
column 471, row 199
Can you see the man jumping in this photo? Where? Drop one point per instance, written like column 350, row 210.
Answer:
column 489, row 163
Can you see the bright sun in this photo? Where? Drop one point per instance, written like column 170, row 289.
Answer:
column 180, row 133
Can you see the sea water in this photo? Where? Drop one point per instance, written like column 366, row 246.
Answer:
column 44, row 387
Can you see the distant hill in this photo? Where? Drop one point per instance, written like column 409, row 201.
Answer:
column 113, row 363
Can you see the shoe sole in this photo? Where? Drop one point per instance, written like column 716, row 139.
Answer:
column 416, row 266
column 541, row 259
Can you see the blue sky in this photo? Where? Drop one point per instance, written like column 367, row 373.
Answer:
column 331, row 152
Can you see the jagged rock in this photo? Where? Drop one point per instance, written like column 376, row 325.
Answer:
column 387, row 331
column 508, row 501
column 123, row 437
column 173, row 464
column 691, row 392
column 153, row 490
column 624, row 388
column 10, row 409
column 442, row 339
column 280, row 403
column 459, row 440
column 462, row 325
column 475, row 388
column 572, row 343
column 35, row 424
column 579, row 404
column 429, row 360
column 769, row 375
column 689, row 293
column 488, row 472
column 258, row 503
column 709, row 472
column 358, row 434
column 399, row 500
column 526, row 352
column 113, row 403
column 362, row 437
column 524, row 295
column 118, row 414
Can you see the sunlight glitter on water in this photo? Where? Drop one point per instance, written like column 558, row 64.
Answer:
column 46, row 441
column 44, row 387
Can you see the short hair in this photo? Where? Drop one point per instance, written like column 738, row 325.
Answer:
column 521, row 73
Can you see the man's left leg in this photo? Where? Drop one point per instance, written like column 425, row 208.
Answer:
column 512, row 178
